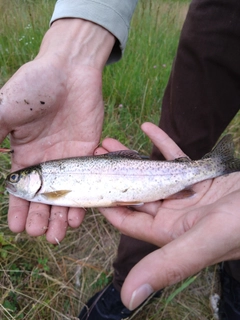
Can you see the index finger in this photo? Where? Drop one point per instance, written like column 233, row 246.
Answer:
column 162, row 141
column 17, row 214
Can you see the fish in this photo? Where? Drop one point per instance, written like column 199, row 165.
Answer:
column 121, row 178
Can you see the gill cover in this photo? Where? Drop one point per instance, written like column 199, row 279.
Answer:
column 24, row 183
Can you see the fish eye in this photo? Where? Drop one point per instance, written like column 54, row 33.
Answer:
column 14, row 177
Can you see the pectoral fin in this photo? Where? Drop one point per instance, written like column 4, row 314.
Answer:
column 55, row 194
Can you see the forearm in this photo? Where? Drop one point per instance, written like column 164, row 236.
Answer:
column 76, row 41
column 115, row 16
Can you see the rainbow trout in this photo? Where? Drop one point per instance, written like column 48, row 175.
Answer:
column 117, row 178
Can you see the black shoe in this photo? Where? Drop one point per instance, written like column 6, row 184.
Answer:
column 107, row 304
column 229, row 304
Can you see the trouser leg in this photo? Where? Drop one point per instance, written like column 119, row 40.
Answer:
column 201, row 98
column 203, row 93
column 130, row 252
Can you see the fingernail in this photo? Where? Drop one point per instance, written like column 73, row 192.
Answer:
column 139, row 295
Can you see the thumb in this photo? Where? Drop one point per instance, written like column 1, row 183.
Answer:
column 156, row 271
column 5, row 126
column 4, row 131
column 201, row 246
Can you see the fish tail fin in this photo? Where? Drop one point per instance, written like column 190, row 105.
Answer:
column 232, row 166
column 224, row 153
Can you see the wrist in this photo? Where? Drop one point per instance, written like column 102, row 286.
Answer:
column 77, row 42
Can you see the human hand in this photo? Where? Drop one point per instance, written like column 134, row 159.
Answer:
column 194, row 232
column 53, row 108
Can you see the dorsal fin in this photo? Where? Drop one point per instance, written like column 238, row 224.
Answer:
column 129, row 154
column 182, row 159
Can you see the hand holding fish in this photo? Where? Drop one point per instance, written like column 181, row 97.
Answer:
column 53, row 108
column 194, row 232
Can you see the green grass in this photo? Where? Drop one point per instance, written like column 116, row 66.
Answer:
column 42, row 281
column 22, row 26
column 133, row 88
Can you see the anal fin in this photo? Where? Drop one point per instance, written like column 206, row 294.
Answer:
column 185, row 193
column 127, row 203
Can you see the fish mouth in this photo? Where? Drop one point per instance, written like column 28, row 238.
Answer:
column 10, row 188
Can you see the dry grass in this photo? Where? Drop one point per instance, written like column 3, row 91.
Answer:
column 42, row 281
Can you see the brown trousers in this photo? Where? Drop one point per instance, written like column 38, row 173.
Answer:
column 201, row 98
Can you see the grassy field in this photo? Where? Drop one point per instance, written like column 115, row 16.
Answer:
column 42, row 281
